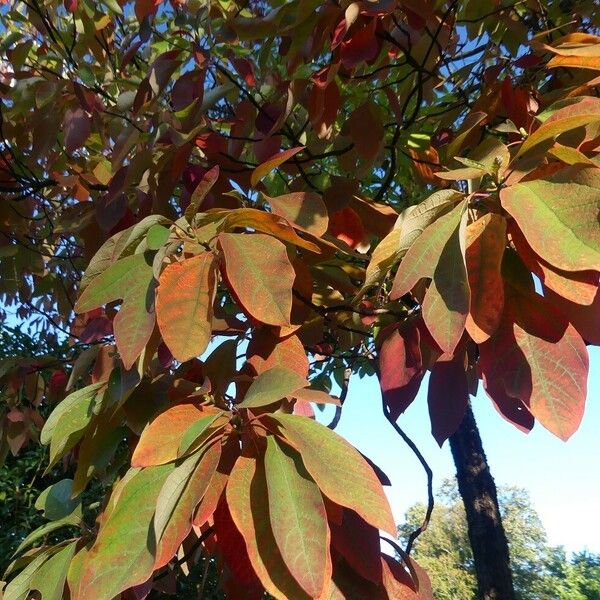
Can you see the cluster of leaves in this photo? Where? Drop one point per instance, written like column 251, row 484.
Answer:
column 540, row 571
column 292, row 191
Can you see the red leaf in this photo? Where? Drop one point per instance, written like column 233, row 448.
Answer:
column 346, row 226
column 362, row 46
column 77, row 125
column 447, row 397
column 359, row 544
column 160, row 440
column 401, row 368
column 539, row 359
column 246, row 70
column 266, row 350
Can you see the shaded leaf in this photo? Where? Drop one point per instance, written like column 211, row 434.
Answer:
column 246, row 492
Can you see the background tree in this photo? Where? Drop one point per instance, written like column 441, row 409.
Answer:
column 540, row 571
column 229, row 208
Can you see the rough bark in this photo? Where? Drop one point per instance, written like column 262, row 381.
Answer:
column 486, row 532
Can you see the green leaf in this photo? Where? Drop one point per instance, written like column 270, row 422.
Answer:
column 339, row 470
column 157, row 236
column 260, row 274
column 18, row 588
column 55, row 501
column 123, row 554
column 272, row 385
column 559, row 216
column 112, row 284
column 184, row 305
column 43, row 530
column 439, row 254
column 67, row 422
column 50, row 578
column 298, row 517
column 182, row 491
column 196, row 432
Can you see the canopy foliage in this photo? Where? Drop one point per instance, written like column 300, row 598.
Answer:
column 226, row 208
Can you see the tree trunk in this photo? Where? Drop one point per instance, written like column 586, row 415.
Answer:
column 486, row 532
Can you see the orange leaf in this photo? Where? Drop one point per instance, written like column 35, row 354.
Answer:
column 273, row 163
column 159, row 442
column 184, row 305
column 486, row 240
column 260, row 275
column 306, row 210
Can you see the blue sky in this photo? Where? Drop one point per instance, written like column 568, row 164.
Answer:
column 563, row 479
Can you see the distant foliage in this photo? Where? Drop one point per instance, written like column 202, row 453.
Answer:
column 540, row 571
column 228, row 209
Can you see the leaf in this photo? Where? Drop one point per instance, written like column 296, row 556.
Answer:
column 272, row 385
column 49, row 579
column 539, row 359
column 339, row 470
column 76, row 127
column 74, row 519
column 134, row 323
column 246, row 498
column 18, row 588
column 157, row 236
column 272, row 163
column 306, row 210
column 123, row 554
column 68, row 421
column 260, row 275
column 346, row 226
column 459, row 174
column 486, row 240
column 439, row 254
column 414, row 220
column 184, row 305
column 298, row 517
column 550, row 130
column 266, row 350
column 160, row 440
column 359, row 544
column 56, row 502
column 111, row 284
column 197, row 432
column 206, row 184
column 401, row 368
column 579, row 287
column 559, row 216
column 447, row 397
column 131, row 279
column 266, row 223
column 182, row 491
column 577, row 62
column 384, row 257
